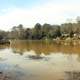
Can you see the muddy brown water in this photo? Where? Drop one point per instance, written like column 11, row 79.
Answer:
column 39, row 60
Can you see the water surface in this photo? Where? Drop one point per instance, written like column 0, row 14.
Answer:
column 40, row 60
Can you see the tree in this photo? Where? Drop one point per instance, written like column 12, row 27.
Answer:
column 21, row 32
column 28, row 33
column 37, row 31
column 45, row 30
column 18, row 32
column 58, row 31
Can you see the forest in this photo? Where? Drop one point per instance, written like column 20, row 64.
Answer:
column 43, row 32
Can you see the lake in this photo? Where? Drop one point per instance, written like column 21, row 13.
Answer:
column 39, row 60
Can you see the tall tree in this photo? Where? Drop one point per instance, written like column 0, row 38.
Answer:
column 37, row 31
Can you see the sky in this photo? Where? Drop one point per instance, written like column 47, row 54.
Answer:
column 30, row 12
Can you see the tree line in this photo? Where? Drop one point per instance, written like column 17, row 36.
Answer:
column 42, row 32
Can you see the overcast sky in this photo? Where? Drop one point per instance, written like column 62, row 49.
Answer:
column 30, row 12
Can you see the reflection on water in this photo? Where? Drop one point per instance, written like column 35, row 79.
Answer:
column 72, row 75
column 43, row 47
column 40, row 60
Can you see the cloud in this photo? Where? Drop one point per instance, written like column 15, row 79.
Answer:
column 47, row 13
